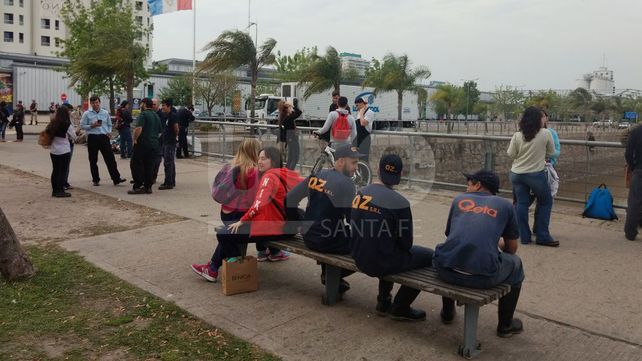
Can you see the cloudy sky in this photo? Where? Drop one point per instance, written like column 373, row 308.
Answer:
column 531, row 44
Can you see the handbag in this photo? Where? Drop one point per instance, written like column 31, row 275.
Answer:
column 44, row 139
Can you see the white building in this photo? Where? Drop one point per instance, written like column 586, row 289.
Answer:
column 35, row 27
column 354, row 61
column 599, row 81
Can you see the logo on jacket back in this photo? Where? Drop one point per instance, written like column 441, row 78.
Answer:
column 371, row 99
column 469, row 206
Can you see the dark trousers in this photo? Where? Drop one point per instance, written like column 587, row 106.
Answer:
column 71, row 154
column 362, row 142
column 158, row 159
column 293, row 153
column 169, row 153
column 142, row 166
column 100, row 143
column 182, row 143
column 228, row 243
column 420, row 257
column 19, row 133
column 126, row 142
column 60, row 165
column 634, row 205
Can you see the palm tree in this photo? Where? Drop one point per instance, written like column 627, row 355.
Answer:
column 581, row 100
column 233, row 49
column 449, row 97
column 323, row 73
column 395, row 74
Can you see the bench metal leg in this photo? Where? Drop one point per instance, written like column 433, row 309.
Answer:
column 332, row 281
column 471, row 347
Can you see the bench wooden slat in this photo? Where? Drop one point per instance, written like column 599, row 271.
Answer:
column 499, row 290
column 441, row 288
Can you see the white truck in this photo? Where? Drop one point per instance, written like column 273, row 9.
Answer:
column 315, row 108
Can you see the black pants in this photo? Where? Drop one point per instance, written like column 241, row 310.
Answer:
column 182, row 143
column 19, row 133
column 228, row 243
column 100, row 143
column 158, row 159
column 293, row 153
column 142, row 166
column 60, row 165
column 420, row 257
column 362, row 142
column 634, row 205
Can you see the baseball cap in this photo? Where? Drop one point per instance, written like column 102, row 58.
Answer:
column 390, row 167
column 360, row 100
column 347, row 151
column 488, row 180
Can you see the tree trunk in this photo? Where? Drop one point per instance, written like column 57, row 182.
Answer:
column 399, row 104
column 253, row 92
column 14, row 263
column 112, row 96
column 130, row 89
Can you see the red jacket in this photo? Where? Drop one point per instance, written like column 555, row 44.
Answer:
column 266, row 214
column 244, row 202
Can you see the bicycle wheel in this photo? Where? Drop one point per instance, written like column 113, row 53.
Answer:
column 318, row 165
column 363, row 175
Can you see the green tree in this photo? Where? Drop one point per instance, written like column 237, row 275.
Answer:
column 471, row 98
column 233, row 49
column 323, row 73
column 422, row 102
column 395, row 74
column 447, row 99
column 291, row 67
column 507, row 102
column 215, row 88
column 581, row 101
column 179, row 89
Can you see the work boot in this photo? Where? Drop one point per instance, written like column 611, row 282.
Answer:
column 507, row 325
column 407, row 313
column 447, row 314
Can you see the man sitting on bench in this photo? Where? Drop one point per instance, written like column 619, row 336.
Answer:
column 382, row 240
column 471, row 255
column 330, row 193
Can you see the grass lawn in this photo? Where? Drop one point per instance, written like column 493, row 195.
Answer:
column 72, row 310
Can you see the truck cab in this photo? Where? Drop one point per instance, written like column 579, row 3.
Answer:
column 265, row 107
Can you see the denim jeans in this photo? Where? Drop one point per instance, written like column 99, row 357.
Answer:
column 126, row 142
column 293, row 153
column 169, row 155
column 3, row 128
column 523, row 184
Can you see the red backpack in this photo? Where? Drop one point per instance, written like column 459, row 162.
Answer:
column 341, row 127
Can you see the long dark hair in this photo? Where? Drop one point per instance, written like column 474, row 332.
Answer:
column 531, row 122
column 60, row 124
column 283, row 108
column 274, row 155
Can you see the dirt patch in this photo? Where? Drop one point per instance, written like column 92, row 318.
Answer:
column 120, row 354
column 38, row 218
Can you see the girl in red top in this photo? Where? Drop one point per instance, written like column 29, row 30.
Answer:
column 264, row 220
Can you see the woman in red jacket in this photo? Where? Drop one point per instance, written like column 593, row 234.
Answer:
column 264, row 220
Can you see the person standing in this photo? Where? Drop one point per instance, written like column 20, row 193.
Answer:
column 288, row 133
column 382, row 237
column 170, row 138
column 146, row 144
column 125, row 130
column 4, row 119
column 61, row 132
column 33, row 110
column 75, row 122
column 97, row 124
column 479, row 251
column 633, row 157
column 18, row 121
column 158, row 159
column 529, row 148
column 365, row 119
column 185, row 116
column 337, row 125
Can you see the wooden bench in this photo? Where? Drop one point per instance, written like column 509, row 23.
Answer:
column 424, row 279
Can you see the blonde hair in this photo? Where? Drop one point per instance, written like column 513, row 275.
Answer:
column 246, row 157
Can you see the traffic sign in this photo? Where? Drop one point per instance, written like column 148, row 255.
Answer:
column 630, row 115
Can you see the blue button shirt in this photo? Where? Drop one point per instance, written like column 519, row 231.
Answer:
column 90, row 117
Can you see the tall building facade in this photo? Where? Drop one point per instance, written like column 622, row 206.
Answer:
column 354, row 61
column 35, row 27
column 600, row 81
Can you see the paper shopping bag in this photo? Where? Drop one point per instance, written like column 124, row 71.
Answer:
column 239, row 276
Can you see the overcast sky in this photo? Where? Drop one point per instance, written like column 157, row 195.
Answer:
column 531, row 44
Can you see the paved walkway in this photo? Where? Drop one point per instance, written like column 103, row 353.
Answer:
column 581, row 301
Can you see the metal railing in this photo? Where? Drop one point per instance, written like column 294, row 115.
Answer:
column 438, row 159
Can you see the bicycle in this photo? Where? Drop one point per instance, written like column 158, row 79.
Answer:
column 362, row 175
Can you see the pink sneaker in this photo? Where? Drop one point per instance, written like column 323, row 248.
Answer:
column 281, row 256
column 205, row 271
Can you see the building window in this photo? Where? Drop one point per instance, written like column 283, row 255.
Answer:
column 45, row 41
column 57, row 24
column 8, row 18
column 45, row 23
column 8, row 37
column 57, row 40
column 8, row 2
column 21, row 38
column 139, row 20
column 21, row 19
column 139, row 5
column 22, row 3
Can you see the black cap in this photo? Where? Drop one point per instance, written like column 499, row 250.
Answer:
column 124, row 103
column 360, row 100
column 390, row 167
column 347, row 151
column 488, row 180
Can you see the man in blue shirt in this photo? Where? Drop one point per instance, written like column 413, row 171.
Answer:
column 480, row 224
column 97, row 125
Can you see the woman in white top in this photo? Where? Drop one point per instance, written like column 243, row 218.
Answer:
column 61, row 132
column 529, row 148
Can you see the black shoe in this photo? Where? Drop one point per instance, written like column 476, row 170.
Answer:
column 119, row 181
column 61, row 195
column 552, row 243
column 515, row 327
column 447, row 313
column 164, row 186
column 140, row 190
column 148, row 190
column 630, row 238
column 96, row 184
column 407, row 314
column 383, row 307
